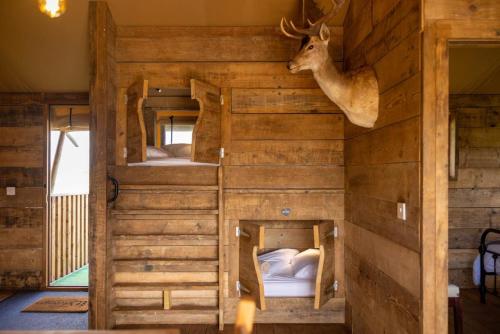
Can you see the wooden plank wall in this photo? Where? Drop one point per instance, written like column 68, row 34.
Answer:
column 22, row 128
column 474, row 197
column 283, row 138
column 23, row 122
column 383, row 168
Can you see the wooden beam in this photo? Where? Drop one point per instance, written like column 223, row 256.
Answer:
column 102, row 79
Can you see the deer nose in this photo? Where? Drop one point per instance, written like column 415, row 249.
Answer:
column 289, row 65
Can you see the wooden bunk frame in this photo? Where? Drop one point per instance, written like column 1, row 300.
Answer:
column 206, row 137
column 259, row 236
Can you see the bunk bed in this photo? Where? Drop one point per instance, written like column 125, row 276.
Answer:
column 486, row 263
column 142, row 147
column 270, row 270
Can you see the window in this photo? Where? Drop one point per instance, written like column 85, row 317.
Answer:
column 178, row 130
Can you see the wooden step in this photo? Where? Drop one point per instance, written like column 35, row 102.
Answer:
column 166, row 239
column 156, row 316
column 165, row 212
column 165, row 265
column 161, row 187
column 167, row 175
column 166, row 199
column 166, row 286
column 179, row 309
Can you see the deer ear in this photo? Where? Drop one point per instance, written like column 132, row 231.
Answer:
column 324, row 32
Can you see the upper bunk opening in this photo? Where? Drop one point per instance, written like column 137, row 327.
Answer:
column 173, row 126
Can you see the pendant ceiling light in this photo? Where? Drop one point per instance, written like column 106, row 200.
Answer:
column 52, row 8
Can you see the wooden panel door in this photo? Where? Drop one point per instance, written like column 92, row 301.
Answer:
column 136, row 129
column 324, row 239
column 250, row 276
column 206, row 142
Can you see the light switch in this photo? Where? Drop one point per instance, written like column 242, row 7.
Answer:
column 11, row 191
column 402, row 211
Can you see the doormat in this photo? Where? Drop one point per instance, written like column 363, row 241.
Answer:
column 59, row 305
column 5, row 294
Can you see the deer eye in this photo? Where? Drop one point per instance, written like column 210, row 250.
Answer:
column 310, row 47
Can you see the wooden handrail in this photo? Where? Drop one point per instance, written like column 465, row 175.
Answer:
column 68, row 234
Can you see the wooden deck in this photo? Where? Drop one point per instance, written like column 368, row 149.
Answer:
column 478, row 318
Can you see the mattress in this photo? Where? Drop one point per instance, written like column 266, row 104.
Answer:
column 279, row 271
column 281, row 286
column 170, row 162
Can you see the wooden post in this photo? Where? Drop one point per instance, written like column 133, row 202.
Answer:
column 102, row 32
column 57, row 159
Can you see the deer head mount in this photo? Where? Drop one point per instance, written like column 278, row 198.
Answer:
column 355, row 92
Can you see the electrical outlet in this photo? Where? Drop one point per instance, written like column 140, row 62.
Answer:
column 11, row 191
column 402, row 211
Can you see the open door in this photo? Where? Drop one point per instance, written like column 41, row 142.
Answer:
column 206, row 142
column 136, row 129
column 250, row 277
column 324, row 239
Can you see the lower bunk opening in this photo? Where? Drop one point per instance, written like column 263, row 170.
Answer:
column 280, row 260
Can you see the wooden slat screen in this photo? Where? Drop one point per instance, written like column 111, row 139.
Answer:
column 68, row 234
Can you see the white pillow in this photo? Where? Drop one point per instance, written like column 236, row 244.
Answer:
column 178, row 150
column 154, row 153
column 305, row 264
column 269, row 269
column 308, row 272
column 278, row 262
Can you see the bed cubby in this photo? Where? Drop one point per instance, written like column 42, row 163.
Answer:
column 261, row 237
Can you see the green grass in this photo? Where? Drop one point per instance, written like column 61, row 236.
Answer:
column 79, row 277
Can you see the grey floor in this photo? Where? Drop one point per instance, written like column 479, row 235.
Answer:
column 11, row 317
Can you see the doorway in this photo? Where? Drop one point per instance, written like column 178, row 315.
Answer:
column 474, row 182
column 68, row 196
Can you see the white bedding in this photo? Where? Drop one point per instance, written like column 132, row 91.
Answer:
column 284, row 277
column 281, row 286
column 488, row 263
column 170, row 162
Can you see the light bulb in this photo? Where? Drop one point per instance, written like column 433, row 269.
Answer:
column 52, row 8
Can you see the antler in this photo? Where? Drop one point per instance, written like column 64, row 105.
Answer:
column 314, row 27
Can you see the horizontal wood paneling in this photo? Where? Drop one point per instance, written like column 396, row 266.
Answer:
column 377, row 290
column 21, row 136
column 220, row 74
column 390, row 182
column 290, row 127
column 165, row 225
column 392, row 144
column 20, row 177
column 25, row 156
column 403, row 272
column 185, row 175
column 474, row 197
column 292, row 310
column 285, row 152
column 180, row 44
column 165, row 200
column 462, row 9
column 289, row 177
column 382, row 167
column 304, row 205
column 286, row 101
column 27, row 197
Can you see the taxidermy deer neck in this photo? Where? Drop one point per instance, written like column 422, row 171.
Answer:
column 356, row 92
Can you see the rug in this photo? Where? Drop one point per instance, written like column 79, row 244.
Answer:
column 5, row 294
column 59, row 305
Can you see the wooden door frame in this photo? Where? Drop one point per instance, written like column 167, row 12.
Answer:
column 55, row 99
column 437, row 38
